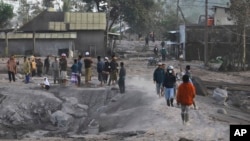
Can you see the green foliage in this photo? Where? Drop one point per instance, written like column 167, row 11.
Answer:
column 6, row 13
column 66, row 5
column 47, row 3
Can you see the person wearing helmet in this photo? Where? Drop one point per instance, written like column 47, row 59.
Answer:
column 88, row 69
column 169, row 85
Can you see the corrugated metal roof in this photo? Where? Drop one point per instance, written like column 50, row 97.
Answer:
column 59, row 21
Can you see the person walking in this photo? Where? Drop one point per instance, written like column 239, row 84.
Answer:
column 12, row 68
column 185, row 97
column 26, row 69
column 158, row 77
column 74, row 73
column 88, row 69
column 79, row 63
column 106, row 70
column 63, row 69
column 169, row 85
column 188, row 72
column 56, row 70
column 100, row 67
column 46, row 65
column 121, row 80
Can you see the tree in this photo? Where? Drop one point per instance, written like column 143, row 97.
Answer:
column 47, row 3
column 135, row 12
column 240, row 12
column 6, row 13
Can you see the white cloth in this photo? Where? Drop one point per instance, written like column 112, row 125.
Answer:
column 46, row 81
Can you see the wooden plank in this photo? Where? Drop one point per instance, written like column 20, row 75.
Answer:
column 200, row 87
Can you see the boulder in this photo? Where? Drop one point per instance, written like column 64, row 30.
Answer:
column 61, row 119
column 220, row 95
column 222, row 111
column 72, row 107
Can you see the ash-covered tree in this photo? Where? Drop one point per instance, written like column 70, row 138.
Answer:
column 136, row 13
column 47, row 3
column 240, row 13
column 6, row 13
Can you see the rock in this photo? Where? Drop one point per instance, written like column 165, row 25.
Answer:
column 222, row 111
column 61, row 119
column 220, row 95
column 184, row 139
column 74, row 110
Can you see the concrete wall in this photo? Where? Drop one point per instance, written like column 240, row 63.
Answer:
column 51, row 46
column 43, row 47
column 92, row 41
column 221, row 17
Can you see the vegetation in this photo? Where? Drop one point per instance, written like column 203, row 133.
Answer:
column 240, row 12
column 6, row 13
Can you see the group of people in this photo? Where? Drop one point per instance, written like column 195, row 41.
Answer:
column 163, row 51
column 165, row 80
column 107, row 70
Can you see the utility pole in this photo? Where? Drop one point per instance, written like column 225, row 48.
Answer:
column 177, row 14
column 206, row 36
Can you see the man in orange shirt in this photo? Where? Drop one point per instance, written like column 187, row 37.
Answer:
column 185, row 97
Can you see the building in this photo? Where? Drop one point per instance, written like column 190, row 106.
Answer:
column 222, row 16
column 50, row 33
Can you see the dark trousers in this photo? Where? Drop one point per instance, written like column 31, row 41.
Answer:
column 105, row 77
column 46, row 70
column 121, row 83
column 33, row 73
column 11, row 76
column 39, row 72
column 163, row 57
column 27, row 78
column 79, row 79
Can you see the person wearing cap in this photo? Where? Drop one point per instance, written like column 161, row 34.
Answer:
column 87, row 64
column 106, row 70
column 63, row 68
column 169, row 85
column 158, row 78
